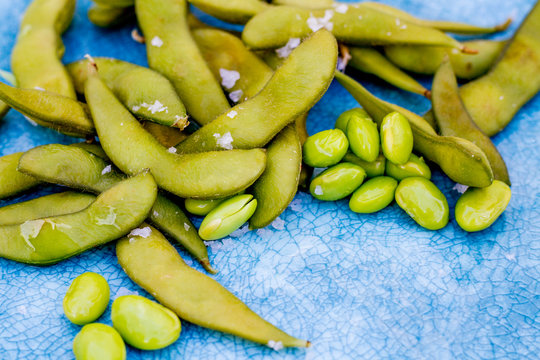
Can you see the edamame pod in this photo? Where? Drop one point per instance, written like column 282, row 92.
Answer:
column 155, row 265
column 374, row 195
column 372, row 169
column 98, row 341
column 460, row 159
column 115, row 3
column 113, row 214
column 227, row 217
column 172, row 52
column 363, row 138
column 415, row 166
column 291, row 92
column 423, row 202
column 337, row 182
column 396, row 138
column 94, row 148
column 494, row 99
column 109, row 16
column 325, row 148
column 10, row 79
column 454, row 120
column 309, row 4
column 357, row 26
column 12, row 182
column 86, row 299
column 478, row 208
column 165, row 135
column 371, row 61
column 234, row 11
column 144, row 92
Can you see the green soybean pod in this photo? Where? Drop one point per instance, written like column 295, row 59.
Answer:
column 373, row 195
column 423, row 202
column 109, row 16
column 363, row 138
column 227, row 217
column 201, row 207
column 325, row 148
column 478, row 208
column 86, row 299
column 343, row 119
column 116, row 3
column 337, row 182
column 144, row 324
column 10, row 79
column 13, row 182
column 372, row 169
column 98, row 341
column 396, row 138
column 415, row 166
column 234, row 11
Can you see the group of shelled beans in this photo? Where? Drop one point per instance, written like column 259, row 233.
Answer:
column 247, row 96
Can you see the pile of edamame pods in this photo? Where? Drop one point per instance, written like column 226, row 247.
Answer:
column 219, row 121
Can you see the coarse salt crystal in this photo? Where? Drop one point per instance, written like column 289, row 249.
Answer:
column 318, row 190
column 225, row 141
column 341, row 8
column 142, row 232
column 228, row 78
column 236, row 95
column 315, row 23
column 232, row 114
column 106, row 169
column 286, row 50
column 172, row 150
column 156, row 41
column 186, row 226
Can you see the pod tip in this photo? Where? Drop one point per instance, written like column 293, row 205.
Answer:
column 427, row 94
column 504, row 25
column 206, row 265
column 308, row 343
column 467, row 50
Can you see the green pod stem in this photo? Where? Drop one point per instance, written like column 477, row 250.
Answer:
column 172, row 51
column 13, row 182
column 146, row 93
column 79, row 169
column 494, row 99
column 113, row 214
column 293, row 89
column 460, row 159
column 156, row 266
column 357, row 26
column 46, row 206
column 110, row 16
column 371, row 61
column 233, row 11
column 55, row 111
column 427, row 59
column 454, row 120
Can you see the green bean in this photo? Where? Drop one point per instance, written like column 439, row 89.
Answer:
column 172, row 52
column 371, row 61
column 374, row 195
column 144, row 324
column 113, row 214
column 227, row 217
column 290, row 93
column 494, row 99
column 337, row 182
column 454, row 120
column 202, row 207
column 155, row 265
column 343, row 119
column 357, row 26
column 86, row 299
column 234, row 11
column 98, row 341
column 460, row 159
column 478, row 208
column 79, row 169
column 146, row 93
column 12, row 182
column 45, row 206
column 325, row 148
column 415, row 166
column 396, row 138
column 372, row 169
column 423, row 202
column 109, row 16
column 363, row 138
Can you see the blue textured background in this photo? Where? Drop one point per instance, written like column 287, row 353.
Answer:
column 357, row 286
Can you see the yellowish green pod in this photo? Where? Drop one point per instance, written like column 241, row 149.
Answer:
column 423, row 202
column 12, row 182
column 234, row 11
column 86, row 299
column 415, row 166
column 372, row 169
column 478, row 208
column 396, row 138
column 374, row 195
column 343, row 119
column 227, row 217
column 325, row 148
column 109, row 16
column 98, row 341
column 363, row 138
column 165, row 135
column 337, row 182
column 201, row 207
column 144, row 324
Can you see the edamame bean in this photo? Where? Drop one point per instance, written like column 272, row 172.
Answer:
column 99, row 341
column 109, row 16
column 337, row 182
column 343, row 119
column 86, row 299
column 460, row 159
column 227, row 217
column 12, row 182
column 156, row 266
column 423, row 202
column 372, row 169
column 374, row 195
column 363, row 137
column 202, row 207
column 325, row 148
column 144, row 324
column 396, row 138
column 234, row 11
column 478, row 208
column 415, row 166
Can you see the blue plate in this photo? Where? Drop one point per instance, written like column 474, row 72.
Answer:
column 357, row 286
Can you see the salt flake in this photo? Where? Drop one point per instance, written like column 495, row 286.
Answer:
column 232, row 114
column 156, row 41
column 275, row 345
column 224, row 141
column 106, row 169
column 187, row 227
column 172, row 150
column 236, row 95
column 286, row 50
column 318, row 190
column 110, row 218
column 460, row 188
column 142, row 232
column 30, row 230
column 315, row 23
column 228, row 78
column 341, row 8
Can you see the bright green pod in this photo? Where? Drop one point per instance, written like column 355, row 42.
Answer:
column 143, row 323
column 343, row 119
column 227, row 217
column 396, row 138
column 144, row 92
column 94, row 148
column 172, row 51
column 201, row 207
column 156, row 266
column 478, row 208
column 415, row 166
column 12, row 182
column 373, row 195
column 372, row 169
column 49, row 240
column 109, row 16
column 98, row 341
column 423, row 202
column 45, row 206
column 325, row 148
column 363, row 138
column 234, row 11
column 337, row 182
column 86, row 299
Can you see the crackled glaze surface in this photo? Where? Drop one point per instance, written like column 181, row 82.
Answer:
column 358, row 286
